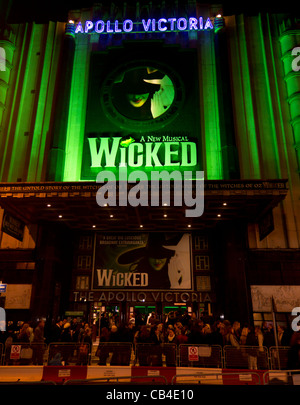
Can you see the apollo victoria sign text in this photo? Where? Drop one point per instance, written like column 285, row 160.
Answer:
column 149, row 25
column 141, row 296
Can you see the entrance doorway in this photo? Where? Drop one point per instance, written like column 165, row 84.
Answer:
column 143, row 312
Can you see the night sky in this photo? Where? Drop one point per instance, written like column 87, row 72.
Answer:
column 36, row 10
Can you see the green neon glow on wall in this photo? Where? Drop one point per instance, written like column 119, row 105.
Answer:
column 211, row 154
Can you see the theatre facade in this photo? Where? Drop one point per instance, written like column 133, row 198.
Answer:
column 150, row 162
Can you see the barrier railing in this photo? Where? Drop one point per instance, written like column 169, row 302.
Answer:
column 200, row 356
column 281, row 377
column 144, row 380
column 111, row 353
column 278, row 357
column 148, row 354
column 249, row 377
column 68, row 354
column 24, row 353
column 251, row 357
column 27, row 383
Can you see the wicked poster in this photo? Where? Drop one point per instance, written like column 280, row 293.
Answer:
column 156, row 261
column 142, row 111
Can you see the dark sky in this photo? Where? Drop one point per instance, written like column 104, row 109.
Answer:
column 38, row 10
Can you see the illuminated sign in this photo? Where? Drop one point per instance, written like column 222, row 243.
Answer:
column 106, row 152
column 150, row 25
column 154, row 261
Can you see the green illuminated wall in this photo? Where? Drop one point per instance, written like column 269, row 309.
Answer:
column 208, row 112
column 265, row 134
column 26, row 120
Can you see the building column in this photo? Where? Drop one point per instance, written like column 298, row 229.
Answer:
column 7, row 49
column 231, row 256
column 227, row 131
column 56, row 157
column 289, row 39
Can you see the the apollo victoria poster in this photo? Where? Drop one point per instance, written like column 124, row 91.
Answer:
column 156, row 261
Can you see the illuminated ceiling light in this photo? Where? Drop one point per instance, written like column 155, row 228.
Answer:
column 141, row 226
column 219, row 16
column 165, row 215
column 71, row 21
column 60, row 216
column 189, row 225
column 224, row 203
column 94, row 226
column 111, row 216
column 219, row 215
column 48, row 205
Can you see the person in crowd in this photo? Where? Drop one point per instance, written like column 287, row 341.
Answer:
column 231, row 338
column 171, row 336
column 156, row 334
column 244, row 334
column 114, row 335
column 182, row 337
column 24, row 335
column 38, row 343
column 85, row 347
column 143, row 335
column 217, row 333
column 268, row 333
column 104, row 334
column 56, row 331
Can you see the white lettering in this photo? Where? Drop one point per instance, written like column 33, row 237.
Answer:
column 99, row 26
column 146, row 25
column 151, row 24
column 159, row 24
column 88, row 26
column 295, row 65
column 295, row 321
column 106, row 278
column 2, row 60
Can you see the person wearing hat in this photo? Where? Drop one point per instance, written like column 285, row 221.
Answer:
column 142, row 93
column 152, row 259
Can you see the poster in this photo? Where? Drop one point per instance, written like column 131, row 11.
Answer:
column 18, row 296
column 286, row 297
column 156, row 261
column 141, row 112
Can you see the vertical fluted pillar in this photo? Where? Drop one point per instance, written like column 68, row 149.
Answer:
column 228, row 145
column 290, row 39
column 56, row 158
column 7, row 49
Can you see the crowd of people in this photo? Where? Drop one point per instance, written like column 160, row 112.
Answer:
column 185, row 328
column 174, row 328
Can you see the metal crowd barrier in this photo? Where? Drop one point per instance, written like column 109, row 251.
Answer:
column 111, row 353
column 193, row 355
column 24, row 353
column 144, row 380
column 281, row 377
column 248, row 377
column 27, row 382
column 149, row 354
column 61, row 353
column 251, row 357
column 145, row 354
column 278, row 357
